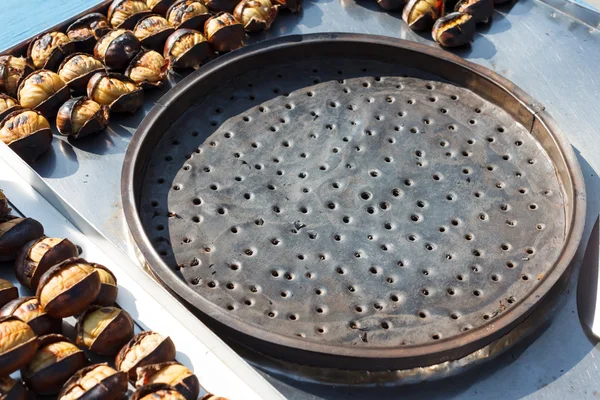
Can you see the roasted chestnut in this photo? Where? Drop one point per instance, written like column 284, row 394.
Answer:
column 148, row 69
column 108, row 288
column 152, row 31
column 28, row 309
column 159, row 6
column 117, row 48
column 68, row 288
column 104, row 330
column 86, row 31
column 77, row 69
column 80, row 117
column 210, row 396
column 172, row 373
column 125, row 14
column 8, row 292
column 220, row 5
column 255, row 15
column 144, row 349
column 391, row 5
column 224, row 32
column 117, row 91
column 16, row 232
column 420, row 15
column 188, row 14
column 4, row 208
column 12, row 71
column 44, row 91
column 95, row 382
column 480, row 10
column 454, row 29
column 292, row 5
column 11, row 389
column 157, row 391
column 18, row 344
column 187, row 48
column 7, row 105
column 27, row 133
column 38, row 256
column 48, row 50
column 55, row 361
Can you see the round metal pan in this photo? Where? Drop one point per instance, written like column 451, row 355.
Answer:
column 412, row 317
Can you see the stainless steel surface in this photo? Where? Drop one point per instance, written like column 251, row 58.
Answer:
column 588, row 288
column 542, row 48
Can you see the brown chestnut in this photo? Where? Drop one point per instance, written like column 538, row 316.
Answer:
column 125, row 14
column 28, row 309
column 210, row 396
column 480, row 10
column 8, row 292
column 68, row 288
column 172, row 373
column 255, row 15
column 4, row 206
column 95, row 382
column 391, row 5
column 11, row 389
column 224, row 32
column 221, row 5
column 44, row 91
column 420, row 15
column 104, row 330
column 86, row 31
column 117, row 91
column 7, row 105
column 55, row 361
column 191, row 14
column 159, row 6
column 48, row 50
column 157, row 391
column 27, row 133
column 152, row 31
column 454, row 29
column 18, row 344
column 108, row 288
column 16, row 232
column 77, row 69
column 187, row 48
column 148, row 69
column 144, row 349
column 38, row 256
column 80, row 117
column 117, row 48
column 12, row 71
column 292, row 5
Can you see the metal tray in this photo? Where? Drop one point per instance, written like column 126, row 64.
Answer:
column 465, row 211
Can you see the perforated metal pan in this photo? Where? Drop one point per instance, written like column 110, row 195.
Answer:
column 356, row 202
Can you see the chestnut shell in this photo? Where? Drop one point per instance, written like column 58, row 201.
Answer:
column 56, row 57
column 11, row 389
column 95, row 124
column 27, row 229
column 17, row 357
column 147, row 84
column 120, row 51
column 112, row 387
column 8, row 295
column 108, row 293
column 480, row 10
column 221, row 5
column 162, row 6
column 156, row 41
column 254, row 25
column 41, row 325
column 148, row 389
column 458, row 35
column 29, row 275
column 165, row 351
column 79, row 84
column 194, row 57
column 50, row 106
column 130, row 22
column 426, row 21
column 196, row 22
column 189, row 387
column 99, row 30
column 4, row 72
column 227, row 38
column 14, row 108
column 108, row 343
column 391, row 5
column 30, row 147
column 292, row 5
column 4, row 208
column 128, row 102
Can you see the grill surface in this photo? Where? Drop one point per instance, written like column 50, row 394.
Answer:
column 353, row 204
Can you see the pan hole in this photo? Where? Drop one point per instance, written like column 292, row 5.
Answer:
column 539, row 227
column 275, row 242
column 293, row 317
column 500, row 185
column 477, row 253
column 339, row 270
column 472, row 121
column 396, row 192
column 486, row 316
column 351, row 289
column 422, row 314
column 365, row 195
column 384, row 205
column 475, row 268
column 510, row 264
column 385, row 325
column 505, row 246
column 525, row 277
column 196, row 219
column 408, row 182
column 234, row 229
column 346, row 219
column 358, row 309
column 443, row 110
column 460, row 277
column 529, row 250
column 476, row 293
column 425, row 272
column 483, row 217
column 504, row 207
column 450, row 291
column 495, row 278
column 500, row 129
column 455, row 222
column 435, row 336
column 387, row 159
column 490, row 139
column 511, row 222
column 454, row 316
column 533, row 206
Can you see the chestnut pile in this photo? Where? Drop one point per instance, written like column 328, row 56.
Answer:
column 65, row 285
column 101, row 64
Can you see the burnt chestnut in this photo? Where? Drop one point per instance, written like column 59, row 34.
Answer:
column 44, row 91
column 420, row 15
column 77, row 69
column 210, row 396
column 159, row 6
column 152, row 31
column 18, row 344
column 68, row 288
column 12, row 71
column 16, row 232
column 144, row 349
column 86, row 31
column 4, row 208
column 255, row 15
column 292, row 5
column 7, row 105
column 157, row 391
column 95, row 382
column 224, row 32
column 117, row 48
column 454, row 29
column 108, row 288
column 80, row 117
column 104, row 330
column 125, row 14
column 172, row 373
column 28, row 309
column 8, row 292
column 38, row 256
column 48, row 50
column 27, row 133
column 480, row 10
column 391, row 5
column 188, row 14
column 148, row 69
column 116, row 91
column 187, row 48
column 55, row 361
column 11, row 389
